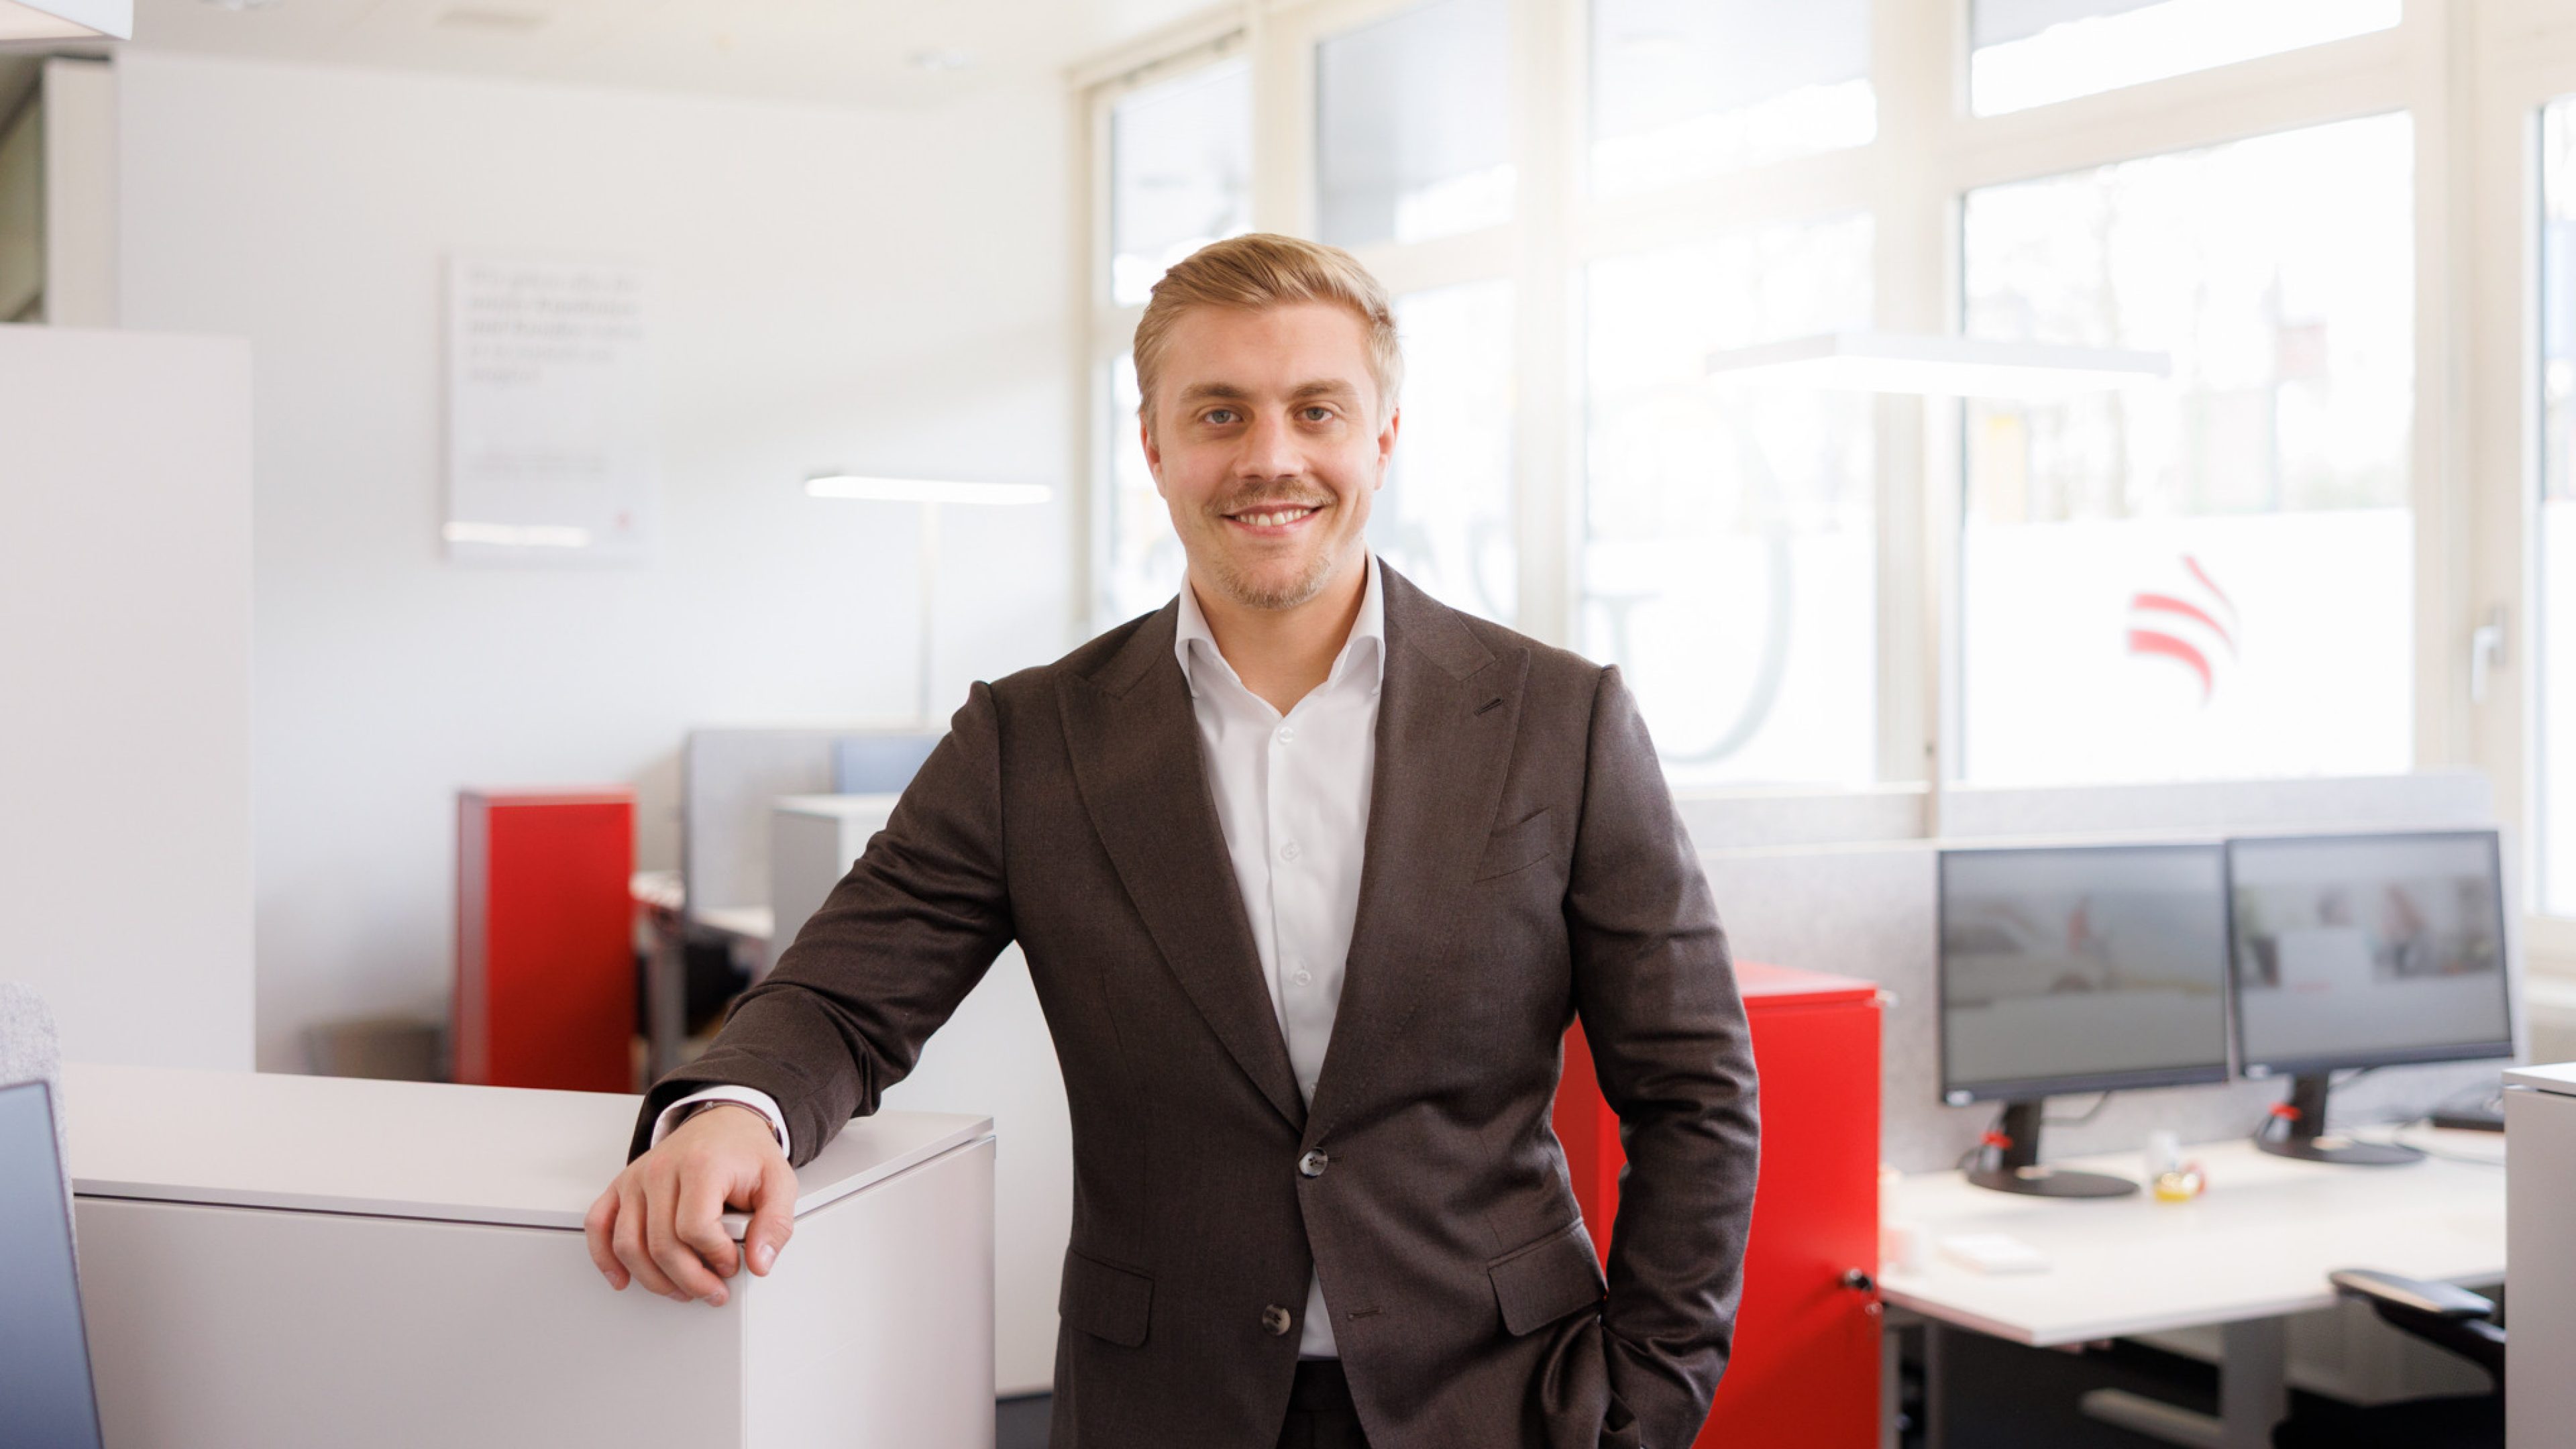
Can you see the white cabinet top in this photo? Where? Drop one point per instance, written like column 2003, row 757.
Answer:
column 2559, row 1078
column 871, row 808
column 408, row 1149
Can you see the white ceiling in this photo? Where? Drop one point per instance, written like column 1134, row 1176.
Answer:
column 841, row 52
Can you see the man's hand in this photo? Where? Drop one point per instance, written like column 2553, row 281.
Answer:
column 661, row 1222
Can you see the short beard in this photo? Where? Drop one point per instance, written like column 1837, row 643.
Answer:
column 1226, row 580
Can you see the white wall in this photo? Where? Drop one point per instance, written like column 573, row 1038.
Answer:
column 125, row 690
column 871, row 289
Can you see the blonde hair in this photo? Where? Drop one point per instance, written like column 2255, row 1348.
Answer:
column 1264, row 269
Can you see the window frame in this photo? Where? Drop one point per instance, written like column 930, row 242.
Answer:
column 2471, row 75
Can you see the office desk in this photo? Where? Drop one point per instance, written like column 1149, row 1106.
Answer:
column 662, row 901
column 2257, row 1245
column 283, row 1261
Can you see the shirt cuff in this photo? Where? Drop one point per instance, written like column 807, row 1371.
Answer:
column 690, row 1105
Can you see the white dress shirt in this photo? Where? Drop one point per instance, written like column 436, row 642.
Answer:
column 1292, row 797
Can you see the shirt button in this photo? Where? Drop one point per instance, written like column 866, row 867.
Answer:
column 1304, row 978
column 1290, row 851
column 1313, row 1163
column 1275, row 1318
column 1287, row 734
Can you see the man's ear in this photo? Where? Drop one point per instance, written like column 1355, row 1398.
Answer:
column 1386, row 443
column 1153, row 455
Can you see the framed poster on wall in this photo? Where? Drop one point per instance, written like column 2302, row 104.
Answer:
column 550, row 441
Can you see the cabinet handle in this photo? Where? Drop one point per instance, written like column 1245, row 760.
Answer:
column 1858, row 1281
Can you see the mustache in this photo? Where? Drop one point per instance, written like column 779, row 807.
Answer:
column 1255, row 500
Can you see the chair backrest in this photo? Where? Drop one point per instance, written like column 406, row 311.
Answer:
column 30, row 1052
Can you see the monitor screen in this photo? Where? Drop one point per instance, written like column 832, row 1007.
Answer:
column 45, row 1393
column 2082, row 969
column 2363, row 950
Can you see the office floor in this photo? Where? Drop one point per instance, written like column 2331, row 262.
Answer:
column 2001, row 1396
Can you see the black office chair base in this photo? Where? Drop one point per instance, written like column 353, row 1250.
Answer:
column 2051, row 1182
column 2341, row 1150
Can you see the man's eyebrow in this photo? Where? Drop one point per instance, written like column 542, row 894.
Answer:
column 1324, row 387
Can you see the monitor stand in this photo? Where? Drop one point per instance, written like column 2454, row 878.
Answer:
column 2306, row 1140
column 2017, row 1169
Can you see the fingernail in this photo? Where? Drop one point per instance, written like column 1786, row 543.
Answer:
column 716, row 1300
column 766, row 1254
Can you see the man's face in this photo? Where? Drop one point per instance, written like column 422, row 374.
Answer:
column 1267, row 444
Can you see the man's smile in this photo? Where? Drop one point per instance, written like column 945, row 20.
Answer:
column 1274, row 520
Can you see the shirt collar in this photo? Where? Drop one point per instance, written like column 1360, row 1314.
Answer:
column 1364, row 649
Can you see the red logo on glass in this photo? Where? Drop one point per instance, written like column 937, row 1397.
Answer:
column 2193, row 626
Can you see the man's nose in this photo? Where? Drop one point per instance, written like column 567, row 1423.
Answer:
column 1269, row 449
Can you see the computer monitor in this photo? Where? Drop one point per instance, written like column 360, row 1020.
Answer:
column 2364, row 951
column 45, row 1392
column 2078, row 969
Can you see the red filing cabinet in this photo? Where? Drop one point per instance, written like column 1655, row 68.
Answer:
column 1806, row 1365
column 545, row 939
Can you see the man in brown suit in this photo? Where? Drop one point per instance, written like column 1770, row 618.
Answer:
column 1311, row 873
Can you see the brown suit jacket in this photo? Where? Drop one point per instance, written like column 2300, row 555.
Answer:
column 1524, row 866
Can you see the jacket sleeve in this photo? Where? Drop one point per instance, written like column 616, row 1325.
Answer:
column 1656, row 993
column 896, row 946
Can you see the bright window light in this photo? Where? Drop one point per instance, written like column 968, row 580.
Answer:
column 2210, row 579
column 1180, row 164
column 1413, row 125
column 2032, row 52
column 1688, row 88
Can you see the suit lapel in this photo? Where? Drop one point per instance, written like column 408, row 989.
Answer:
column 1138, row 763
column 1447, row 713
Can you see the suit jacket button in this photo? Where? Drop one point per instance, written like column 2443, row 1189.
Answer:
column 1275, row 1318
column 1313, row 1163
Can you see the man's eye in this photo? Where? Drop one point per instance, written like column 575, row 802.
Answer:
column 1220, row 416
column 1318, row 414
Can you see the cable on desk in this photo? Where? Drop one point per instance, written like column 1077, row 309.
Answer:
column 2100, row 1102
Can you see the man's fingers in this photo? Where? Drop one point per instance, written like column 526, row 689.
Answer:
column 596, row 1229
column 773, row 1215
column 677, row 1260
column 699, row 1223
column 629, row 1241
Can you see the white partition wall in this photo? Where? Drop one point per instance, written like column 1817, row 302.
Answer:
column 125, row 628
column 1830, row 883
column 994, row 1058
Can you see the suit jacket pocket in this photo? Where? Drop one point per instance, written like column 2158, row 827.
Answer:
column 1541, row 1283
column 1105, row 1302
column 1515, row 846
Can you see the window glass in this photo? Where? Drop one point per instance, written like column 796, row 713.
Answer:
column 1180, row 173
column 1444, row 518
column 1687, row 88
column 1729, row 563
column 2557, row 582
column 1412, row 125
column 2031, row 52
column 1145, row 559
column 2212, row 577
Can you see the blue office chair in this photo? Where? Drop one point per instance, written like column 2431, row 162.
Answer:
column 2447, row 1317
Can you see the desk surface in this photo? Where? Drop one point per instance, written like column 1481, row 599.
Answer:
column 2259, row 1243
column 408, row 1149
